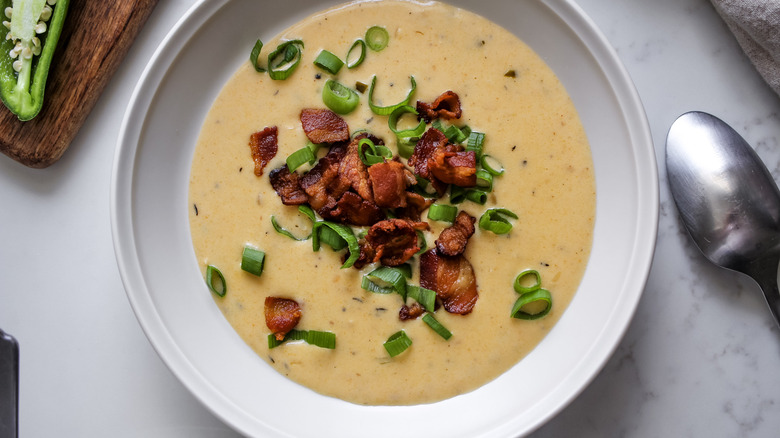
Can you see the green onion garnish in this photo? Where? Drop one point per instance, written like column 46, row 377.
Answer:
column 283, row 61
column 491, row 165
column 495, row 220
column 215, row 280
column 377, row 38
column 385, row 277
column 313, row 337
column 252, row 260
column 339, row 98
column 475, row 142
column 422, row 242
column 343, row 231
column 477, row 196
column 436, row 326
column 532, row 305
column 426, row 297
column 406, row 146
column 392, row 122
column 299, row 158
column 484, row 180
column 284, row 232
column 370, row 286
column 397, row 343
column 306, row 210
column 370, row 153
column 253, row 57
column 406, row 268
column 357, row 62
column 521, row 281
column 457, row 194
column 387, row 110
column 442, row 212
column 328, row 62
column 330, row 237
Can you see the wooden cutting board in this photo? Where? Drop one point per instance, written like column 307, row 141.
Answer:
column 95, row 39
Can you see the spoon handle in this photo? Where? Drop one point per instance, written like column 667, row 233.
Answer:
column 765, row 274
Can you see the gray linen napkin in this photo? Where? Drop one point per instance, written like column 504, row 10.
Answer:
column 756, row 26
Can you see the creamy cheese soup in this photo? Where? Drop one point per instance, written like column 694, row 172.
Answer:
column 531, row 127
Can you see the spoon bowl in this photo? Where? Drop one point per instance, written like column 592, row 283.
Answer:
column 727, row 199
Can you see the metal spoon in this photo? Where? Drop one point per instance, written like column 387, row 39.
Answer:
column 727, row 199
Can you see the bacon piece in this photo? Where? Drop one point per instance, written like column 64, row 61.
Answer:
column 452, row 240
column 352, row 171
column 281, row 315
column 354, row 210
column 389, row 181
column 394, row 241
column 263, row 145
column 430, row 141
column 288, row 186
column 452, row 278
column 415, row 205
column 324, row 126
column 452, row 166
column 322, row 183
column 410, row 312
column 446, row 106
column 366, row 255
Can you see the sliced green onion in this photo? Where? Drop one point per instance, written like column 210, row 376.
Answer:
column 422, row 242
column 532, row 305
column 392, row 122
column 331, row 238
column 300, row 157
column 328, row 62
column 495, row 220
column 397, row 343
column 436, row 326
column 386, row 276
column 357, row 62
column 521, row 282
column 491, row 165
column 306, row 210
column 370, row 153
column 438, row 125
column 475, row 142
column 215, row 280
column 370, row 286
column 454, row 134
column 312, row 337
column 344, row 232
column 457, row 194
column 442, row 212
column 377, row 38
column 361, row 87
column 252, row 261
column 421, row 188
column 387, row 110
column 253, row 57
column 283, row 61
column 339, row 98
column 406, row 146
column 477, row 196
column 287, row 233
column 484, row 180
column 426, row 297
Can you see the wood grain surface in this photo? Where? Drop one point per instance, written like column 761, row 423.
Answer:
column 95, row 39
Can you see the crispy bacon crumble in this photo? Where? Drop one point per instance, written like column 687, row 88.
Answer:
column 263, row 145
column 281, row 315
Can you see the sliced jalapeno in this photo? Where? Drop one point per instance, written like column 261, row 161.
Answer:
column 28, row 38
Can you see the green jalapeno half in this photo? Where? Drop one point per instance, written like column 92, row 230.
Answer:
column 28, row 38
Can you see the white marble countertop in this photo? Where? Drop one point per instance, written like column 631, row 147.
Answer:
column 701, row 358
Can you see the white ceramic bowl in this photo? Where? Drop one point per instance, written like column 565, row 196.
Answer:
column 154, row 252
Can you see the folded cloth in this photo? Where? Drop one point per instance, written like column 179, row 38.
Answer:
column 756, row 26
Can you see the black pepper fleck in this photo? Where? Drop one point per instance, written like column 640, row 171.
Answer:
column 195, row 206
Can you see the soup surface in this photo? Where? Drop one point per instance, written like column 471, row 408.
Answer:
column 531, row 127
